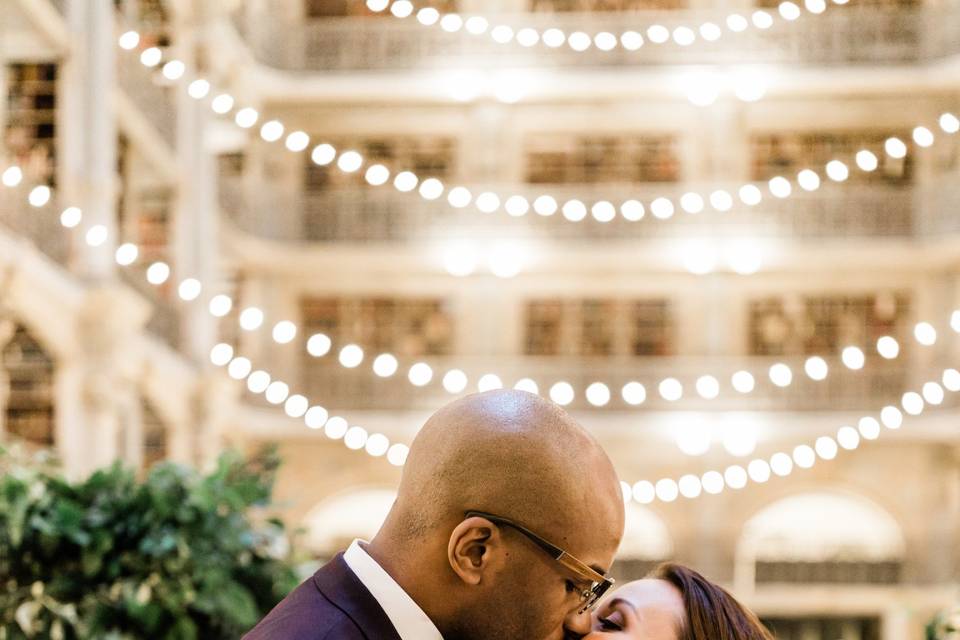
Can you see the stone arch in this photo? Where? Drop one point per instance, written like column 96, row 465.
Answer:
column 332, row 524
column 820, row 536
column 646, row 543
column 26, row 385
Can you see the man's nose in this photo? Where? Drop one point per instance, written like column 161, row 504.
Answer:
column 577, row 624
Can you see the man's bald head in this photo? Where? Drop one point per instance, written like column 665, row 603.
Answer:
column 514, row 455
column 511, row 453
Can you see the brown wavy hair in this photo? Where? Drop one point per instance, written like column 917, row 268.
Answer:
column 712, row 613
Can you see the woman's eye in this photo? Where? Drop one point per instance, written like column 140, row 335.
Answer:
column 608, row 625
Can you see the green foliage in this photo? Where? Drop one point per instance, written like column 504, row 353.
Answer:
column 945, row 626
column 175, row 556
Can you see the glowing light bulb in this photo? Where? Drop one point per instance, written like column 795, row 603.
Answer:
column 129, row 40
column 545, row 206
column 895, row 148
column 634, row 393
column 296, row 406
column 598, row 394
column 420, row 374
column 189, row 289
column 71, row 217
column 271, row 131
column 708, row 387
column 869, row 428
column 297, row 141
column 158, row 273
column 397, row 454
column 848, row 438
column 316, row 417
column 632, row 210
column 644, row 492
column 349, row 161
column 284, row 332
column 528, row 385
column 489, row 382
column 667, row 490
column 816, row 368
column 562, row 393
column 781, row 375
column 12, row 176
column 323, row 154
column 173, row 70
column 385, row 365
column 126, row 254
column 222, row 104
column 867, row 161
column 220, row 305
column 239, row 368
column 837, row 171
column 671, row 389
column 151, row 57
column 351, row 356
column 455, row 381
column 221, row 354
column 804, row 456
column 925, row 334
column 690, row 486
column 198, row 89
column 39, row 196
column 319, row 345
column 251, row 319
column 743, row 382
column 888, row 347
column 853, row 358
column 430, row 189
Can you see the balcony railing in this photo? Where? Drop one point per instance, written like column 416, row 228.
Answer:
column 39, row 225
column 371, row 215
column 164, row 321
column 869, row 35
column 876, row 385
column 153, row 100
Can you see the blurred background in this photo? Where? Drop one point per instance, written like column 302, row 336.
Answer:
column 724, row 235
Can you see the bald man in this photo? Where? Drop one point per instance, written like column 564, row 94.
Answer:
column 506, row 521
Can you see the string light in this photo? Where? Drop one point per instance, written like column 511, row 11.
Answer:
column 579, row 41
column 632, row 393
column 575, row 210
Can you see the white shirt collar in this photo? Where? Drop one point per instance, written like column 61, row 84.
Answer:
column 407, row 617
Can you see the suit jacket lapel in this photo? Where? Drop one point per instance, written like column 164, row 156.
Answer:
column 343, row 588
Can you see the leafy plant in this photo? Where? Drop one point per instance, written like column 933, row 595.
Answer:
column 174, row 556
column 946, row 626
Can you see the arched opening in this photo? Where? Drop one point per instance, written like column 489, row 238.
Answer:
column 646, row 543
column 333, row 524
column 821, row 538
column 155, row 445
column 26, row 386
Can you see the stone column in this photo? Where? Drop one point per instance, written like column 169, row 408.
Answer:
column 87, row 129
column 195, row 232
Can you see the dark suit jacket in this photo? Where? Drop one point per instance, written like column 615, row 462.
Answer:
column 332, row 605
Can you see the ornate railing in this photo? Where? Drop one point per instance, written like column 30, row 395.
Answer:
column 164, row 321
column 39, row 225
column 868, row 34
column 153, row 100
column 879, row 383
column 376, row 215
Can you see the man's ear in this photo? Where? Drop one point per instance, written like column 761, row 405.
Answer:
column 475, row 549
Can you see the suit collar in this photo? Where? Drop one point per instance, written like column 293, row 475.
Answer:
column 341, row 586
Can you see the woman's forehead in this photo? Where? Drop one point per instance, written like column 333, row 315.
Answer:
column 651, row 593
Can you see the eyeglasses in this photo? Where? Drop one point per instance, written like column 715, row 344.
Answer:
column 599, row 583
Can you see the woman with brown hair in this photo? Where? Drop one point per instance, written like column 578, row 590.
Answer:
column 675, row 603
